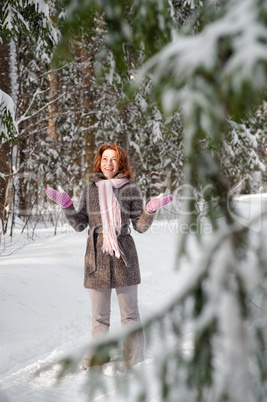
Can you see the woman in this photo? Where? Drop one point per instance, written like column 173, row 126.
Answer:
column 108, row 205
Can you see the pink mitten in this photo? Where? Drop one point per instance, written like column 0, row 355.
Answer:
column 158, row 202
column 60, row 198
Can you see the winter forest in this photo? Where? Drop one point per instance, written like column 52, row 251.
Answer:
column 181, row 85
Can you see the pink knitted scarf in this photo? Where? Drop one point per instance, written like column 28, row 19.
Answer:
column 110, row 214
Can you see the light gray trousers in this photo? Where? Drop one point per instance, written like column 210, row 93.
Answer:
column 133, row 348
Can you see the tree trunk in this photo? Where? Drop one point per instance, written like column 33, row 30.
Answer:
column 5, row 149
column 52, row 108
column 89, row 119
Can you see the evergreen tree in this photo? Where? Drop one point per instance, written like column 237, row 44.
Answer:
column 30, row 18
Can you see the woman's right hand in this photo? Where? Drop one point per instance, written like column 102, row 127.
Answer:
column 158, row 202
column 60, row 198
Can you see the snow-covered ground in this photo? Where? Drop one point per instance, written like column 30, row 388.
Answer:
column 45, row 311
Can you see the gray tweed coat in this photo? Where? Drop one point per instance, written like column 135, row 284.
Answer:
column 101, row 270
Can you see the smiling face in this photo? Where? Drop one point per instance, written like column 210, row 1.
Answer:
column 109, row 163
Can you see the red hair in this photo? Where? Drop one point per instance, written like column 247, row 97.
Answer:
column 122, row 160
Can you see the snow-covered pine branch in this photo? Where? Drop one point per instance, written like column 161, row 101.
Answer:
column 8, row 124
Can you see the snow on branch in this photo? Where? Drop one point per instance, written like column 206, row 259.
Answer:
column 15, row 19
column 25, row 117
column 226, row 54
column 8, row 125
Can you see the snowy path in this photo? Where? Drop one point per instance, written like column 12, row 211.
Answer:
column 45, row 311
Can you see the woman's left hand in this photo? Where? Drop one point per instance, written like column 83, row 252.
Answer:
column 158, row 202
